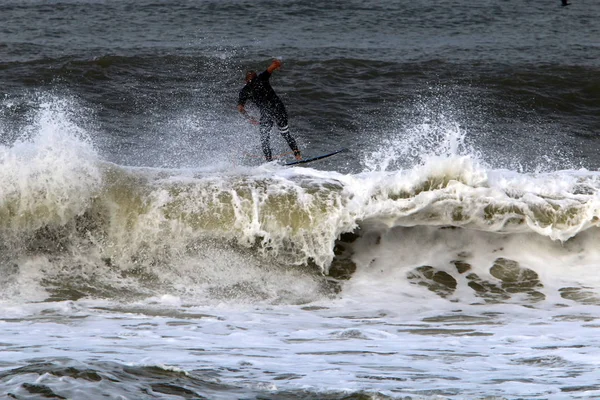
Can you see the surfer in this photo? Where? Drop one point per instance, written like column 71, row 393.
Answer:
column 565, row 3
column 259, row 91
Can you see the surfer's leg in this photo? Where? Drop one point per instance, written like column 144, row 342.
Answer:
column 284, row 130
column 265, row 131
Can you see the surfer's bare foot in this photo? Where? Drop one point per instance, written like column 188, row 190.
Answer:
column 298, row 155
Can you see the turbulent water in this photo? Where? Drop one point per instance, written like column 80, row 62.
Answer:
column 146, row 251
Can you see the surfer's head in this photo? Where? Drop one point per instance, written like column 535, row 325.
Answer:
column 250, row 75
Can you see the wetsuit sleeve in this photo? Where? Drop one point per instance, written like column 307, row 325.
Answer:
column 264, row 76
column 244, row 95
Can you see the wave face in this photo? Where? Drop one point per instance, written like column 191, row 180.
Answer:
column 74, row 225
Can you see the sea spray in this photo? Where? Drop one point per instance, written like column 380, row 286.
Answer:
column 432, row 127
column 49, row 175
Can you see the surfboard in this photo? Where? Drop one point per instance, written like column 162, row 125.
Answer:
column 307, row 160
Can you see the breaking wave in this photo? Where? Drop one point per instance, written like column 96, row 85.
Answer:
column 69, row 216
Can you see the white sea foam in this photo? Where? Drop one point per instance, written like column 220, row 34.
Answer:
column 498, row 350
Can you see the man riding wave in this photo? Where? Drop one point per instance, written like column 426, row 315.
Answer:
column 259, row 91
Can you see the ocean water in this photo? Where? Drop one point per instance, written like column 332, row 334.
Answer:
column 147, row 252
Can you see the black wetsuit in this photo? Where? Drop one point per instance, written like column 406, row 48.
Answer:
column 260, row 92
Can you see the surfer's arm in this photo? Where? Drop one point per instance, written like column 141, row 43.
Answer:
column 243, row 111
column 244, row 95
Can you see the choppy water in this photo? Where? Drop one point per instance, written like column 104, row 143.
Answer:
column 452, row 253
